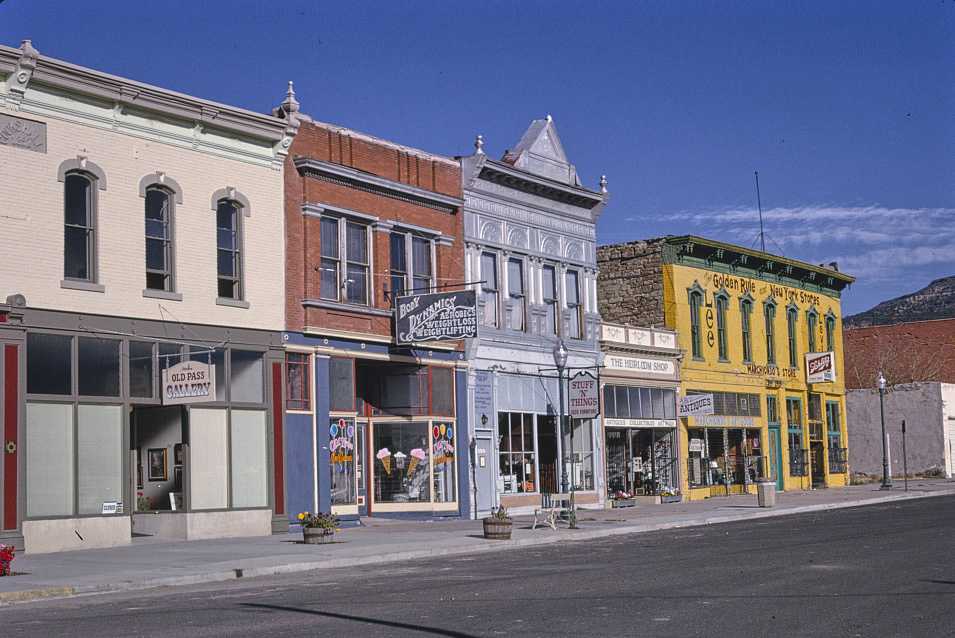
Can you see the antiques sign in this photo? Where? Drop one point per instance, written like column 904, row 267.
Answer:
column 189, row 382
column 436, row 317
column 696, row 405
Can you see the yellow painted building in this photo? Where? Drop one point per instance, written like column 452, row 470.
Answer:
column 760, row 394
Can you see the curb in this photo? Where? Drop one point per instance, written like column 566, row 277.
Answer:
column 395, row 556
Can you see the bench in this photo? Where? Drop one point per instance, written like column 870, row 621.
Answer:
column 554, row 507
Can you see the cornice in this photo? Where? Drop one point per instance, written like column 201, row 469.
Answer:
column 360, row 180
column 507, row 175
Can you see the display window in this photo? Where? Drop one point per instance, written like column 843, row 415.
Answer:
column 414, row 463
column 725, row 459
column 640, row 461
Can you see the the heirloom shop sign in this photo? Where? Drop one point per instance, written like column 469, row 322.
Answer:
column 189, row 382
column 436, row 317
column 637, row 364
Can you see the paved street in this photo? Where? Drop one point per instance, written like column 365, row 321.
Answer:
column 885, row 569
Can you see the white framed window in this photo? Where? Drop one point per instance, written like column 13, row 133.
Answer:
column 515, row 292
column 490, row 288
column 549, row 297
column 412, row 267
column 574, row 309
column 345, row 260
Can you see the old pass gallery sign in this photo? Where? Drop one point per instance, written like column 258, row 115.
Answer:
column 436, row 317
column 188, row 382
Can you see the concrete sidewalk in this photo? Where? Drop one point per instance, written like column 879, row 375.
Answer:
column 149, row 562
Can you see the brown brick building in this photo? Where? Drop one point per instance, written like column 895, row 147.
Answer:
column 905, row 353
column 372, row 424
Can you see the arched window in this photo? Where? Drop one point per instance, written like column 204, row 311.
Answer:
column 696, row 338
column 812, row 324
column 746, row 328
column 79, row 249
column 769, row 314
column 722, row 342
column 159, row 204
column 792, row 316
column 229, row 249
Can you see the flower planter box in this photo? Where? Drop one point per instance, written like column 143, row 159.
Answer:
column 497, row 528
column 671, row 498
column 623, row 502
column 318, row 535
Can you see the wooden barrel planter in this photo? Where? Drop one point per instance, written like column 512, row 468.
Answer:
column 497, row 528
column 318, row 535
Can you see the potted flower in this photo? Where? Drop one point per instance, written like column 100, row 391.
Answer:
column 670, row 495
column 6, row 557
column 623, row 499
column 498, row 525
column 318, row 527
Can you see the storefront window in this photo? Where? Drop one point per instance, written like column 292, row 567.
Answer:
column 208, row 429
column 400, row 474
column 49, row 364
column 247, row 376
column 249, row 459
column 517, row 457
column 442, row 451
column 98, row 367
column 141, row 369
column 582, row 460
column 297, row 396
column 341, row 383
column 99, row 457
column 342, row 465
column 49, row 459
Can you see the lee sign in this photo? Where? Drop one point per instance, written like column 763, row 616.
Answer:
column 584, row 396
column 188, row 382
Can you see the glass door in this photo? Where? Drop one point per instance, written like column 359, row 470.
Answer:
column 343, row 466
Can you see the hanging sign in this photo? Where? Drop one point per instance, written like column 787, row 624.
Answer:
column 436, row 317
column 820, row 367
column 584, row 396
column 696, row 405
column 188, row 382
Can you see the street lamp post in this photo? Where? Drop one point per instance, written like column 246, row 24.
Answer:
column 886, row 485
column 560, row 360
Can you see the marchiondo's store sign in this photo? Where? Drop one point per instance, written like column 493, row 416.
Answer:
column 189, row 382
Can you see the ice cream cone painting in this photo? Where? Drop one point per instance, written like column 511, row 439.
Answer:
column 384, row 455
column 417, row 455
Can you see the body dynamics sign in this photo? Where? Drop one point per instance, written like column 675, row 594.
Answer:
column 436, row 317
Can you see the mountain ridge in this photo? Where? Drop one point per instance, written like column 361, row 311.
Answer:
column 934, row 301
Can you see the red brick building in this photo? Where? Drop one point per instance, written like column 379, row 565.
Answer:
column 904, row 352
column 372, row 425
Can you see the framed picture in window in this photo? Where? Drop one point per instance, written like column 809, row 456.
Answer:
column 157, row 464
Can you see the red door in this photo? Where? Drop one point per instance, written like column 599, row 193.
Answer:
column 9, row 377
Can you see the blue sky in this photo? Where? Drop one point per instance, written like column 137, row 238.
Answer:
column 846, row 109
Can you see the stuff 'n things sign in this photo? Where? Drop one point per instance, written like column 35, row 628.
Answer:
column 188, row 382
column 436, row 317
column 820, row 367
column 584, row 396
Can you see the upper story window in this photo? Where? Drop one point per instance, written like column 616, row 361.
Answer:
column 572, row 294
column 696, row 302
column 515, row 293
column 414, row 274
column 812, row 323
column 229, row 249
column 297, row 381
column 792, row 316
column 746, row 311
column 549, row 297
column 769, row 314
column 79, row 203
column 830, row 331
column 345, row 260
column 490, row 288
column 159, row 204
column 722, row 304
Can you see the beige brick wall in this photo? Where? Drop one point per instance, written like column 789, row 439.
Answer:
column 31, row 228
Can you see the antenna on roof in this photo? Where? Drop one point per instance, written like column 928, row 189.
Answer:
column 762, row 235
